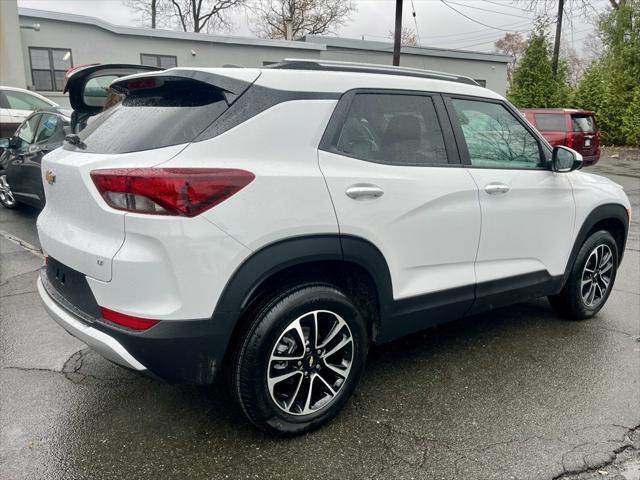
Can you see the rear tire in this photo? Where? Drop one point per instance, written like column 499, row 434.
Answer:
column 285, row 386
column 7, row 199
column 590, row 280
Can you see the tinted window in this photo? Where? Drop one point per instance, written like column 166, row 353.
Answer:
column 24, row 101
column 550, row 122
column 169, row 112
column 495, row 137
column 51, row 130
column 583, row 123
column 397, row 129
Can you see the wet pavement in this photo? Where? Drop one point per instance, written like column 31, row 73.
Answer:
column 516, row 393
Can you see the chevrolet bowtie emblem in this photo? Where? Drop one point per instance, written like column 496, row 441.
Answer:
column 50, row 177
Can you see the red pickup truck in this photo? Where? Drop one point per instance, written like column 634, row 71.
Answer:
column 575, row 129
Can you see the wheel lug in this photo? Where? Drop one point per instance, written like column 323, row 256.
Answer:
column 318, row 366
column 306, row 374
column 299, row 362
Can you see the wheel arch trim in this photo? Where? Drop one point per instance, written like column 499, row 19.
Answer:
column 609, row 211
column 278, row 256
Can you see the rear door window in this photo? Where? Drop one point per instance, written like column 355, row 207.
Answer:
column 160, row 113
column 27, row 130
column 396, row 129
column 550, row 122
column 50, row 131
column 583, row 123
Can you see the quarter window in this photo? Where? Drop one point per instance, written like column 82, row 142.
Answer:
column 48, row 67
column 162, row 61
column 550, row 122
column 394, row 129
column 495, row 137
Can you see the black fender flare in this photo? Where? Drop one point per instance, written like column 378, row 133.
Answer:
column 278, row 256
column 609, row 211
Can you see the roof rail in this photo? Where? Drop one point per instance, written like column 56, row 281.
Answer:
column 336, row 66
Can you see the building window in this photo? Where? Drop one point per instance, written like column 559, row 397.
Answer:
column 482, row 83
column 48, row 67
column 162, row 61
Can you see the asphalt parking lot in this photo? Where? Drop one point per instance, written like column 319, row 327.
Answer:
column 516, row 393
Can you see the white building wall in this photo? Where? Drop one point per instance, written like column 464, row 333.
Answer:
column 493, row 73
column 11, row 64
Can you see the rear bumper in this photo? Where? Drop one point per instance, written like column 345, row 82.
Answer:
column 590, row 160
column 175, row 351
column 102, row 343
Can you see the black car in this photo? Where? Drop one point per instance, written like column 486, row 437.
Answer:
column 45, row 130
column 20, row 176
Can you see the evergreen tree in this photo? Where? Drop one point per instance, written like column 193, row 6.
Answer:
column 534, row 85
column 611, row 85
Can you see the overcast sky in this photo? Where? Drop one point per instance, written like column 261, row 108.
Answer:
column 437, row 24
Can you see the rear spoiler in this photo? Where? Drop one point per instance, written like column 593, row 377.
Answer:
column 233, row 83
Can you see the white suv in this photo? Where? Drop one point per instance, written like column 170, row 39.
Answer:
column 272, row 223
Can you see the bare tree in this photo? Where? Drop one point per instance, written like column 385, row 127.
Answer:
column 186, row 15
column 408, row 37
column 510, row 44
column 300, row 17
column 203, row 15
column 152, row 13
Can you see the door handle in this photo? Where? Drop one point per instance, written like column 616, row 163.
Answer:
column 364, row 191
column 496, row 188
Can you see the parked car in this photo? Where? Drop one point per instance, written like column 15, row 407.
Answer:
column 576, row 129
column 20, row 176
column 16, row 104
column 271, row 223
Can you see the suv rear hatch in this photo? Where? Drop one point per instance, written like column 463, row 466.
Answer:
column 584, row 132
column 159, row 115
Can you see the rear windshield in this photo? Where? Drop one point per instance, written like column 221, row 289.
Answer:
column 550, row 122
column 583, row 123
column 175, row 111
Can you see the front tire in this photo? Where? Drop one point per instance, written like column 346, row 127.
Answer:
column 300, row 360
column 591, row 278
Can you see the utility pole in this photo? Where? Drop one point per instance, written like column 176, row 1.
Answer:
column 398, row 34
column 556, row 43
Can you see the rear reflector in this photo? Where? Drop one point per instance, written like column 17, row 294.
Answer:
column 133, row 323
column 169, row 191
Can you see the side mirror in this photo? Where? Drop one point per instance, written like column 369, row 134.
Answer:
column 565, row 159
column 15, row 142
column 4, row 142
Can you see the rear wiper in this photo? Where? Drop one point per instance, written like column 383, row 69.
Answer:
column 74, row 140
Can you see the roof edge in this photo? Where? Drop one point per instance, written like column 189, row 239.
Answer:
column 387, row 47
column 160, row 33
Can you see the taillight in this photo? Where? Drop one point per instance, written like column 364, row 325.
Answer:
column 128, row 321
column 571, row 139
column 169, row 191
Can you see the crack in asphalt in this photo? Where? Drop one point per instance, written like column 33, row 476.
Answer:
column 17, row 275
column 71, row 370
column 17, row 294
column 629, row 444
column 22, row 243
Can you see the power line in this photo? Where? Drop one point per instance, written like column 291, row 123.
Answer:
column 413, row 12
column 487, row 10
column 506, row 6
column 472, row 19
